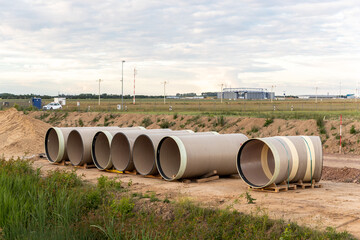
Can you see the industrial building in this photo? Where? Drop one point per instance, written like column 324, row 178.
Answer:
column 245, row 93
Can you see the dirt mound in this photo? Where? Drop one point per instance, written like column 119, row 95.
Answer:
column 345, row 174
column 21, row 135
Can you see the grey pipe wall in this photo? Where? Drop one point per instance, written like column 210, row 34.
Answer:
column 145, row 147
column 55, row 143
column 196, row 155
column 100, row 149
column 264, row 161
column 79, row 144
column 122, row 146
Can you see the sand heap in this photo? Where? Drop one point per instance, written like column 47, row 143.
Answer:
column 21, row 135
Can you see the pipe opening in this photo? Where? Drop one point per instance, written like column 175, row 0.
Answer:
column 144, row 155
column 256, row 163
column 120, row 151
column 168, row 158
column 101, row 150
column 75, row 147
column 52, row 145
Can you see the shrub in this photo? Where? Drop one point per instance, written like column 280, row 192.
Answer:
column 146, row 122
column 81, row 123
column 166, row 124
column 353, row 130
column 268, row 121
column 254, row 129
column 321, row 125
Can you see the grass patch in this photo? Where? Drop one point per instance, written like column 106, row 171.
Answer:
column 353, row 130
column 62, row 206
column 166, row 124
column 81, row 123
column 268, row 121
column 321, row 125
column 146, row 122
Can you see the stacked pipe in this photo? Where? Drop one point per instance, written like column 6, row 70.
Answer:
column 122, row 148
column 197, row 155
column 100, row 148
column 56, row 141
column 260, row 162
column 145, row 148
column 265, row 161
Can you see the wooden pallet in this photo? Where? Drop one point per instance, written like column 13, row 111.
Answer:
column 283, row 187
column 312, row 184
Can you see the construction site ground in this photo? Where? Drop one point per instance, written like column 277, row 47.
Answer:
column 336, row 204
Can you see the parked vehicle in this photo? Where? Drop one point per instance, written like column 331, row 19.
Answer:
column 52, row 106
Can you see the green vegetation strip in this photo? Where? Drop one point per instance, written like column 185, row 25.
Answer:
column 62, row 206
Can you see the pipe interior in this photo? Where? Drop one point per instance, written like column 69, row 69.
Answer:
column 102, row 150
column 144, row 155
column 75, row 147
column 52, row 145
column 169, row 158
column 120, row 151
column 256, row 163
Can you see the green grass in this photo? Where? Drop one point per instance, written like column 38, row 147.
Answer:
column 353, row 130
column 62, row 206
column 268, row 121
column 146, row 122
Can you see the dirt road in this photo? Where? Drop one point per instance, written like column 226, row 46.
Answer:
column 336, row 204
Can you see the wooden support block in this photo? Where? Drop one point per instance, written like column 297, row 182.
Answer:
column 153, row 176
column 62, row 163
column 209, row 174
column 131, row 172
column 186, row 180
column 202, row 180
column 86, row 166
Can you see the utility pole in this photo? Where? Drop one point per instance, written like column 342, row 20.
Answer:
column 221, row 93
column 340, row 90
column 122, row 85
column 316, row 88
column 99, row 88
column 165, row 82
column 356, row 91
column 134, row 85
column 272, row 97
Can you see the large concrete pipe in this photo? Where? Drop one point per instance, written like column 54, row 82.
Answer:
column 79, row 144
column 122, row 145
column 145, row 146
column 197, row 155
column 264, row 161
column 55, row 143
column 100, row 148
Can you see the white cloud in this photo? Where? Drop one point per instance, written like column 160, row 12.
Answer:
column 51, row 46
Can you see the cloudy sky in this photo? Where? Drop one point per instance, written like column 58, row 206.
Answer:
column 51, row 46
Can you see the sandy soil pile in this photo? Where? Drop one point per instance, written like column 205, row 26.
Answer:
column 345, row 174
column 21, row 135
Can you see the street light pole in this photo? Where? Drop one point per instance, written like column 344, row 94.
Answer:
column 99, row 89
column 122, row 85
column 165, row 82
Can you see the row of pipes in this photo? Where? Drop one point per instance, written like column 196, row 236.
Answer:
column 260, row 162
